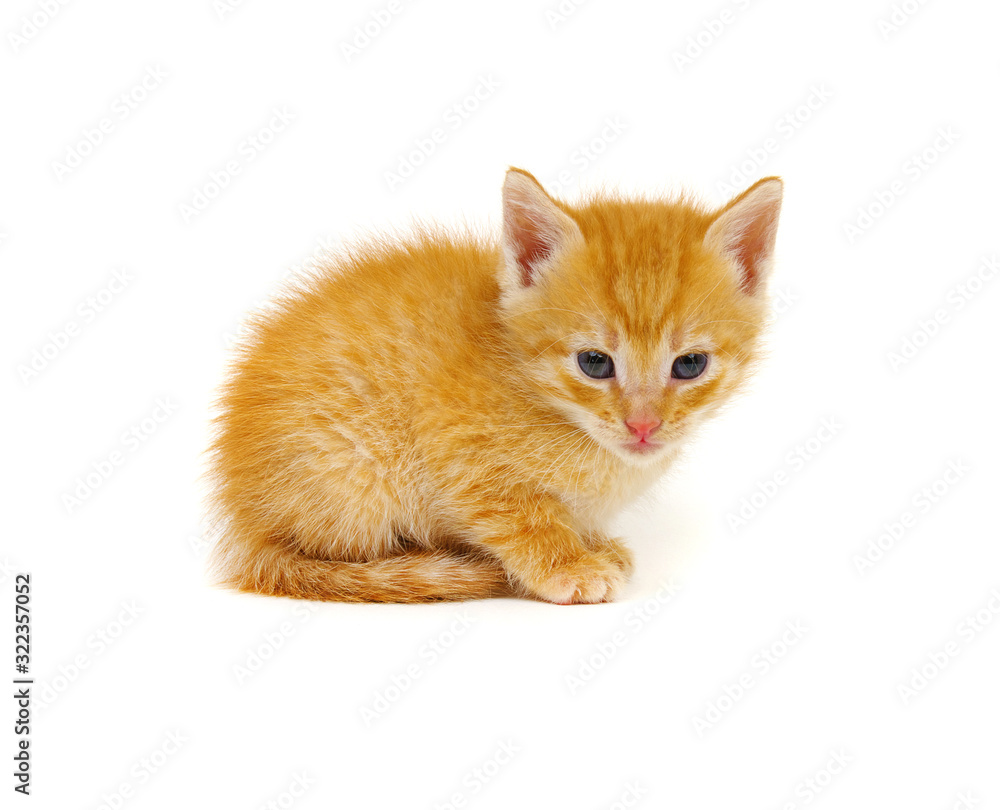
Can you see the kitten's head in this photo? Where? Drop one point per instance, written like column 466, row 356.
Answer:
column 636, row 319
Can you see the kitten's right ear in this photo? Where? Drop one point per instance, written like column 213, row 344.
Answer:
column 535, row 230
column 745, row 230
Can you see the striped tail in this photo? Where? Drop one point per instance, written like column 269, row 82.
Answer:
column 273, row 569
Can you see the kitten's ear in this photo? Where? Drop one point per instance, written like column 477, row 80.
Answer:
column 535, row 230
column 745, row 230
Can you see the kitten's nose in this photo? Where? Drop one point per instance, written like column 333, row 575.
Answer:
column 643, row 426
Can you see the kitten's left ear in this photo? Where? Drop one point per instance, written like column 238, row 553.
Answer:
column 536, row 232
column 745, row 230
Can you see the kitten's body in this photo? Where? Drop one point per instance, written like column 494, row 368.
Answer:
column 407, row 427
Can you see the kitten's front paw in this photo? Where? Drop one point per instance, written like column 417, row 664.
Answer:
column 614, row 549
column 590, row 577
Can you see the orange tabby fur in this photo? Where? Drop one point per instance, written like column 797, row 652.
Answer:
column 413, row 425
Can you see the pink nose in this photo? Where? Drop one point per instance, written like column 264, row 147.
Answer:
column 643, row 426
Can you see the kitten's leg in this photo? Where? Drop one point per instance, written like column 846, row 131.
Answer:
column 613, row 547
column 535, row 541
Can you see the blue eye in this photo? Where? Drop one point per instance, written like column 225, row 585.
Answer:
column 596, row 364
column 689, row 366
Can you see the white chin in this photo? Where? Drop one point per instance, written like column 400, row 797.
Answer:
column 640, row 455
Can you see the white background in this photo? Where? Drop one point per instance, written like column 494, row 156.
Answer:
column 638, row 703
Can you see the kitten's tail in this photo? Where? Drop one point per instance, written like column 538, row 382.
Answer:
column 273, row 569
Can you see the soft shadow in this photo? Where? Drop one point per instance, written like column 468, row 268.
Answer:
column 668, row 531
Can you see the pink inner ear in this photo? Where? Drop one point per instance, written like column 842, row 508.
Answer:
column 752, row 249
column 745, row 230
column 531, row 247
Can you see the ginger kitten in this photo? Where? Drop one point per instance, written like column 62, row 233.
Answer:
column 448, row 418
